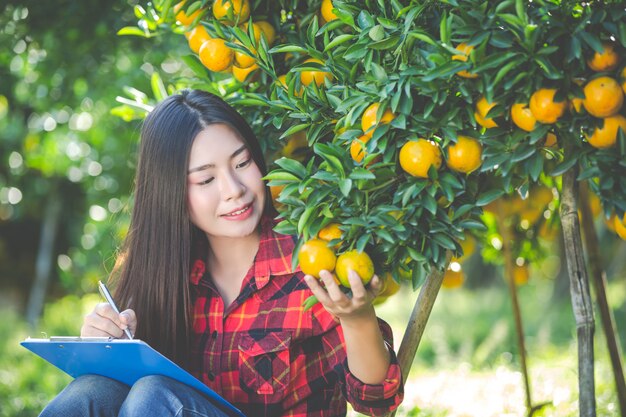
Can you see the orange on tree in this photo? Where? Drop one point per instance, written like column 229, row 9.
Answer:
column 357, row 148
column 620, row 226
column 330, row 232
column 465, row 155
column 454, row 277
column 523, row 117
column 551, row 140
column 417, row 156
column 242, row 74
column 196, row 37
column 606, row 60
column 623, row 79
column 327, row 11
column 315, row 256
column 369, row 121
column 482, row 108
column 360, row 262
column 606, row 136
column 465, row 50
column 603, row 97
column 296, row 146
column 610, row 222
column 543, row 106
column 319, row 77
column 243, row 59
column 182, row 17
column 215, row 55
column 389, row 287
column 268, row 30
column 275, row 191
column 239, row 10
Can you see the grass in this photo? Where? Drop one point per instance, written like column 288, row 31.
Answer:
column 467, row 363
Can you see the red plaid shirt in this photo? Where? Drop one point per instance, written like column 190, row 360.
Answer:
column 267, row 356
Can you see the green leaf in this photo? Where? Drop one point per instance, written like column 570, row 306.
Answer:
column 345, row 186
column 281, row 176
column 385, row 43
column 592, row 41
column 304, row 219
column 488, row 197
column 288, row 48
column 563, row 167
column 444, row 240
column 338, row 41
column 133, row 31
column 158, row 89
column 377, row 33
column 294, row 129
column 196, row 66
column 472, row 224
column 309, row 302
column 292, row 166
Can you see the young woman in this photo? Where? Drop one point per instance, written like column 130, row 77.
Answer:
column 209, row 284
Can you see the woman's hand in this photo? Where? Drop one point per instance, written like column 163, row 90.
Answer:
column 104, row 322
column 341, row 305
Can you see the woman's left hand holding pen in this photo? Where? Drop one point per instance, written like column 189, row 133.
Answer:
column 103, row 321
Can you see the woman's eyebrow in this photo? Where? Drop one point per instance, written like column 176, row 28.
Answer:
column 206, row 166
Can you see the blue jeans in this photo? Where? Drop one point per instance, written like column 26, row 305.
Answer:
column 155, row 395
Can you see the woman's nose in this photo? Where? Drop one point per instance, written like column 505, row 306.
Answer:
column 231, row 186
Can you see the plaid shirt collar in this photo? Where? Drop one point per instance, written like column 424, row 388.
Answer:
column 273, row 258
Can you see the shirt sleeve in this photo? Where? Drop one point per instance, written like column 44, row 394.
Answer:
column 370, row 399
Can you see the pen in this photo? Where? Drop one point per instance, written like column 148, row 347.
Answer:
column 106, row 294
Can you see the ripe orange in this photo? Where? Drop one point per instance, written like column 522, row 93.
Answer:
column 523, row 117
column 417, row 156
column 327, row 11
column 182, row 17
column 607, row 60
column 242, row 74
column 603, row 97
column 330, row 232
column 215, row 55
column 196, row 37
column 465, row 51
column 606, row 136
column 315, row 256
column 520, row 274
column 319, row 77
column 465, row 155
column 368, row 120
column 268, row 30
column 360, row 262
column 296, row 146
column 623, row 79
column 543, row 106
column 390, row 286
column 620, row 226
column 240, row 10
column 275, row 191
column 244, row 60
column 482, row 108
column 610, row 222
column 453, row 277
column 357, row 148
column 551, row 140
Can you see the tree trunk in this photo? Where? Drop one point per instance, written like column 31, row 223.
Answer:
column 45, row 257
column 417, row 322
column 579, row 291
column 599, row 286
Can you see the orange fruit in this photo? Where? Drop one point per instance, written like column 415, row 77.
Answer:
column 417, row 156
column 315, row 256
column 282, row 81
column 623, row 79
column 482, row 108
column 465, row 51
column 196, row 37
column 390, row 286
column 215, row 55
column 620, row 226
column 268, row 30
column 550, row 141
column 523, row 117
column 327, row 11
column 606, row 136
column 240, row 10
column 241, row 58
column 610, row 222
column 603, row 97
column 360, row 262
column 357, row 148
column 242, row 74
column 465, row 155
column 182, row 17
column 319, row 77
column 368, row 120
column 296, row 146
column 520, row 274
column 543, row 106
column 330, row 232
column 275, row 191
column 454, row 277
column 607, row 60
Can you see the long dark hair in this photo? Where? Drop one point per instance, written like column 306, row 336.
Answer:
column 155, row 263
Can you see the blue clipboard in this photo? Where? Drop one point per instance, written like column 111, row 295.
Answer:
column 120, row 359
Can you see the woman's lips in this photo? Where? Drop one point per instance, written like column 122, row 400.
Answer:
column 239, row 214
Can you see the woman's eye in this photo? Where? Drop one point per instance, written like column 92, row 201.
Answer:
column 205, row 182
column 244, row 163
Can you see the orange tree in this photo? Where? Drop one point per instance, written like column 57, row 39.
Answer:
column 416, row 115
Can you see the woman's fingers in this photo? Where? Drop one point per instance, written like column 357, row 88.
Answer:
column 129, row 320
column 103, row 322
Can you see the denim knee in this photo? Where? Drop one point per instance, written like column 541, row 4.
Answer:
column 88, row 395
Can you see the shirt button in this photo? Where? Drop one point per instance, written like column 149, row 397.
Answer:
column 211, row 376
column 214, row 334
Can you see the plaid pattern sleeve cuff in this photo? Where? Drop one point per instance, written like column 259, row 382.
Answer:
column 379, row 399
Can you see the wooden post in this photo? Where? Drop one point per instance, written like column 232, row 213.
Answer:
column 418, row 319
column 599, row 285
column 579, row 292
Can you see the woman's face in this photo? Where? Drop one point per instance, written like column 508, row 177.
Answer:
column 226, row 194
